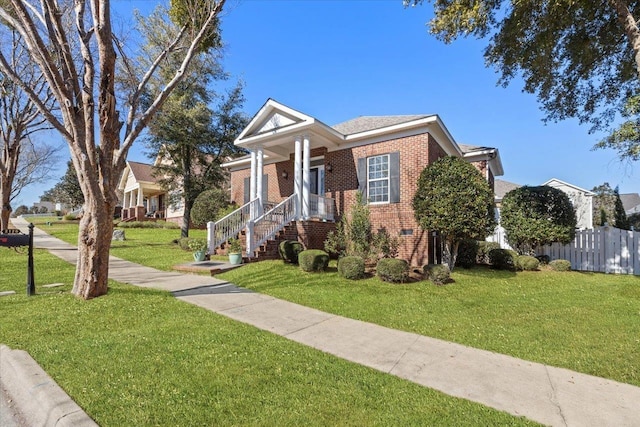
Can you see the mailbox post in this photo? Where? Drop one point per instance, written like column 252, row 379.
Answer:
column 14, row 239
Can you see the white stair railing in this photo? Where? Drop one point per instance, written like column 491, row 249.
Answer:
column 229, row 226
column 267, row 225
column 321, row 207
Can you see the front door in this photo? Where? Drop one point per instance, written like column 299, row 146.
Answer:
column 316, row 186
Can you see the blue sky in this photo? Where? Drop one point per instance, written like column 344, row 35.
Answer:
column 336, row 60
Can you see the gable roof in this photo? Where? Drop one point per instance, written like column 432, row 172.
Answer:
column 367, row 123
column 142, row 171
column 630, row 201
column 575, row 187
column 501, row 187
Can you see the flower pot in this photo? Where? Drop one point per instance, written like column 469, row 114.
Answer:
column 235, row 259
column 199, row 255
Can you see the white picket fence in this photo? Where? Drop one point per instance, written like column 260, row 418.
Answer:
column 603, row 249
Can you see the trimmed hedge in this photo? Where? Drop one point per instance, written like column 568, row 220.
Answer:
column 467, row 253
column 439, row 274
column 393, row 270
column 527, row 263
column 503, row 259
column 289, row 250
column 351, row 267
column 560, row 265
column 483, row 251
column 313, row 260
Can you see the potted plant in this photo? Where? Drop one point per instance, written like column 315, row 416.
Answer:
column 235, row 252
column 199, row 248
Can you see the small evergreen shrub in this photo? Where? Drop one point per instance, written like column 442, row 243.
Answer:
column 289, row 251
column 313, row 260
column 185, row 243
column 503, row 259
column 543, row 259
column 527, row 263
column 467, row 253
column 70, row 217
column 483, row 251
column 393, row 270
column 439, row 274
column 351, row 267
column 560, row 265
column 149, row 224
column 208, row 205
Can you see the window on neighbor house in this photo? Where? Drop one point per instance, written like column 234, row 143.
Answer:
column 378, row 179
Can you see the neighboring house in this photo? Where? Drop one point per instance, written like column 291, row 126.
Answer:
column 581, row 199
column 143, row 198
column 631, row 203
column 313, row 171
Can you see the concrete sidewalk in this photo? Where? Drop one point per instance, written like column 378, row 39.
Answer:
column 546, row 394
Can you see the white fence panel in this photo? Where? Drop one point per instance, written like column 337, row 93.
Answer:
column 602, row 249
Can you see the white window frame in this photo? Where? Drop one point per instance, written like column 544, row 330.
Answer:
column 387, row 179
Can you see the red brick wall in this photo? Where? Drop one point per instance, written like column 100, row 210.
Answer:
column 416, row 152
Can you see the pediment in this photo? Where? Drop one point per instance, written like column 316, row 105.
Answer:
column 272, row 117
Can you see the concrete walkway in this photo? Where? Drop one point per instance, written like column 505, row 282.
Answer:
column 545, row 394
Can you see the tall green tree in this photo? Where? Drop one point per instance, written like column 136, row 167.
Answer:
column 581, row 58
column 102, row 99
column 454, row 198
column 604, row 201
column 620, row 219
column 196, row 128
column 534, row 216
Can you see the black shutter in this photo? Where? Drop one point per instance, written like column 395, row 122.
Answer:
column 247, row 189
column 362, row 178
column 394, row 177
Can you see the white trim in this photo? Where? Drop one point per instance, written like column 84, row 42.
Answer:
column 587, row 192
column 388, row 179
column 306, row 181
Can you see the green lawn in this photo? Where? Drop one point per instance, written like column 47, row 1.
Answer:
column 141, row 357
column 585, row 322
column 153, row 247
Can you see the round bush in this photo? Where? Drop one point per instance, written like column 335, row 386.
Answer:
column 467, row 253
column 289, row 250
column 313, row 260
column 544, row 259
column 503, row 259
column 560, row 265
column 483, row 251
column 437, row 273
column 351, row 267
column 527, row 263
column 393, row 270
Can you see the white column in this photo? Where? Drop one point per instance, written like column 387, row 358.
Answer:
column 297, row 176
column 125, row 200
column 132, row 202
column 259, row 173
column 252, row 179
column 140, row 196
column 306, row 178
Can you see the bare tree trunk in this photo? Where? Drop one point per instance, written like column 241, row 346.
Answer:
column 94, row 243
column 5, row 194
column 184, row 230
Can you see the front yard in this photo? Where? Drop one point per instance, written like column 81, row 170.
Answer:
column 141, row 357
column 586, row 322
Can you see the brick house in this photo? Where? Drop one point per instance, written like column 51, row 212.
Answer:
column 309, row 173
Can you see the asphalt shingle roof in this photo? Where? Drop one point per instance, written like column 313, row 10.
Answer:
column 630, row 200
column 503, row 187
column 366, row 123
column 142, row 171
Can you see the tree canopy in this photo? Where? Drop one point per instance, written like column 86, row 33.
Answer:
column 454, row 198
column 581, row 58
column 534, row 216
column 67, row 190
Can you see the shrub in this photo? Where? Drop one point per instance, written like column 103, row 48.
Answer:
column 437, row 273
column 351, row 267
column 184, row 243
column 393, row 270
column 313, row 260
column 336, row 243
column 289, row 251
column 467, row 253
column 234, row 246
column 543, row 259
column 70, row 217
column 385, row 244
column 483, row 251
column 197, row 245
column 149, row 224
column 503, row 259
column 560, row 265
column 527, row 263
column 208, row 205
